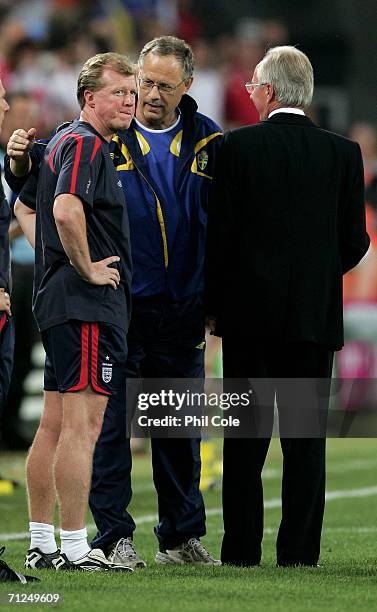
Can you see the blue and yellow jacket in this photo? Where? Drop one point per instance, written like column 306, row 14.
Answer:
column 167, row 256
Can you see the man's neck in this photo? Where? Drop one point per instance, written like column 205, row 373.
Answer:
column 88, row 117
column 158, row 124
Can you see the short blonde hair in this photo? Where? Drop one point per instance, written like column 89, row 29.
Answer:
column 290, row 73
column 90, row 77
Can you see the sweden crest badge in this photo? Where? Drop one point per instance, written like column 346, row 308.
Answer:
column 202, row 158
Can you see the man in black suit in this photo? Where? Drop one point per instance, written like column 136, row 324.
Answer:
column 286, row 221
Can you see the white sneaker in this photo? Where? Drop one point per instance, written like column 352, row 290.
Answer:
column 93, row 561
column 123, row 552
column 191, row 552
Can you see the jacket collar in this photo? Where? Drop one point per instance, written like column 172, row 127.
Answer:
column 290, row 119
column 187, row 106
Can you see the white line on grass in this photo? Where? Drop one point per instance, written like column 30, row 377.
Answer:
column 268, row 504
column 274, row 530
column 353, row 465
column 363, row 492
column 275, row 473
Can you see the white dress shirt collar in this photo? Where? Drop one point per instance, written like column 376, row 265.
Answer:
column 288, row 109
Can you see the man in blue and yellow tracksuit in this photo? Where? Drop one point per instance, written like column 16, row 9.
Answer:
column 165, row 162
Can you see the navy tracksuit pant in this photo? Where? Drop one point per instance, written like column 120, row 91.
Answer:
column 6, row 356
column 165, row 340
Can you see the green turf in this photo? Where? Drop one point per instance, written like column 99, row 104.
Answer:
column 346, row 580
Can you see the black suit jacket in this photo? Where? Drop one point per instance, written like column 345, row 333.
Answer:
column 286, row 221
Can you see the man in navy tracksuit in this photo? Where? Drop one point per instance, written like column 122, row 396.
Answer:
column 165, row 162
column 6, row 323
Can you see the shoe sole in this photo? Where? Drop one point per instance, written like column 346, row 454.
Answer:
column 137, row 565
column 165, row 559
column 140, row 565
column 40, row 569
column 93, row 564
column 91, row 568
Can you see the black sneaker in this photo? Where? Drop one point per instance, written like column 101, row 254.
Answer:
column 93, row 561
column 36, row 559
column 9, row 575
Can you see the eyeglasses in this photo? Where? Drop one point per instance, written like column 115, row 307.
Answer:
column 148, row 85
column 251, row 86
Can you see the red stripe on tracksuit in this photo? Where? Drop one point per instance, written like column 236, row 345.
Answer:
column 95, row 336
column 76, row 161
column 3, row 320
column 97, row 144
column 83, row 381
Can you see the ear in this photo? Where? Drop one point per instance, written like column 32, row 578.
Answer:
column 188, row 84
column 89, row 98
column 270, row 93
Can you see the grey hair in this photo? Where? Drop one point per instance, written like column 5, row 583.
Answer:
column 290, row 73
column 170, row 45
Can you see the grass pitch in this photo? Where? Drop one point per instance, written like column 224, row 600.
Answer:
column 346, row 580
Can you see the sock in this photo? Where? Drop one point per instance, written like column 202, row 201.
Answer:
column 74, row 543
column 42, row 536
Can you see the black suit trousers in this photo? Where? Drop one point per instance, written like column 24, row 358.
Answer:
column 303, row 483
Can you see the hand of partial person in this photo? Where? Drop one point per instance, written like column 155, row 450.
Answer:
column 20, row 143
column 102, row 274
column 211, row 323
column 5, row 302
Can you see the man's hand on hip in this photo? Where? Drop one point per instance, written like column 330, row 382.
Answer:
column 5, row 302
column 101, row 274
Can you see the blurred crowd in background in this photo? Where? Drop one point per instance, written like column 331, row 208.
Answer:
column 43, row 44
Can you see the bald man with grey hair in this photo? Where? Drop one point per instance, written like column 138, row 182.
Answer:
column 286, row 221
column 290, row 73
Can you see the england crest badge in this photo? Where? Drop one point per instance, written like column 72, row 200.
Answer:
column 107, row 372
